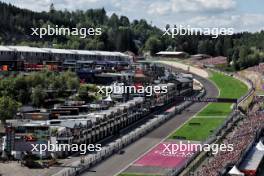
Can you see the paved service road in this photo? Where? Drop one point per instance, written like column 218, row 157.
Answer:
column 118, row 162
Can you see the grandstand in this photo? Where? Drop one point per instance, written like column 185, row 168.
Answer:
column 252, row 162
column 16, row 58
column 242, row 136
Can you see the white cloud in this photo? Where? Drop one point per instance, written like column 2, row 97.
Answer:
column 161, row 7
column 77, row 4
column 43, row 5
column 217, row 4
column 197, row 13
column 249, row 22
column 32, row 4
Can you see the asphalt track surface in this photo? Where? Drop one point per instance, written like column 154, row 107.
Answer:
column 118, row 162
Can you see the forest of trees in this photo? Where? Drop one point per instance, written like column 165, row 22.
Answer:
column 34, row 89
column 118, row 33
column 121, row 34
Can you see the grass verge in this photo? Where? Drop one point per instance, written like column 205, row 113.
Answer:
column 206, row 121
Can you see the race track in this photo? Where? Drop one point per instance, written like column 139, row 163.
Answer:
column 117, row 163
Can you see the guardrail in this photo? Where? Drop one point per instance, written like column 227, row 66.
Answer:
column 117, row 145
column 90, row 160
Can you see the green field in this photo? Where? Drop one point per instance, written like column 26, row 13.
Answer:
column 213, row 115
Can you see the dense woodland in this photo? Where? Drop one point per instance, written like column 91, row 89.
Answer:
column 121, row 34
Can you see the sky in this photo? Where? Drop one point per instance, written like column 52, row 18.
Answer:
column 242, row 15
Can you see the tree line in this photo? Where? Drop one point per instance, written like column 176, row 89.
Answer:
column 33, row 89
column 120, row 34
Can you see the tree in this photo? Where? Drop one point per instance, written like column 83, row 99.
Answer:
column 8, row 108
column 218, row 48
column 235, row 58
column 113, row 21
column 87, row 93
column 15, row 21
column 83, row 93
column 38, row 96
column 153, row 44
column 72, row 81
column 52, row 8
column 7, row 87
column 243, row 61
column 244, row 51
column 204, row 47
column 124, row 39
column 22, row 89
column 124, row 21
column 227, row 45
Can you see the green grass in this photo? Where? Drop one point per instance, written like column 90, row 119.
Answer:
column 211, row 117
column 198, row 132
column 229, row 87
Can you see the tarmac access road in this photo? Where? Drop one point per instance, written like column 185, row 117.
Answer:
column 118, row 162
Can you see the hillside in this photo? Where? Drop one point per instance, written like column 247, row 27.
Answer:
column 120, row 34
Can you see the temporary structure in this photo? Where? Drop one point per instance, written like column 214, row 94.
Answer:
column 234, row 172
column 260, row 146
column 108, row 99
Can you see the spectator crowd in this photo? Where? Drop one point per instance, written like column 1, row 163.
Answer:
column 241, row 137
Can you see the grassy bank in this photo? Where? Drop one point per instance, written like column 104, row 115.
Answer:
column 212, row 116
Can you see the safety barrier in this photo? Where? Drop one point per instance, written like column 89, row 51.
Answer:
column 92, row 159
column 112, row 148
column 219, row 132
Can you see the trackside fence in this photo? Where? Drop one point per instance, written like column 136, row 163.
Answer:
column 90, row 160
column 195, row 160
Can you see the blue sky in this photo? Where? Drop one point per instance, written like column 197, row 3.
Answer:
column 242, row 15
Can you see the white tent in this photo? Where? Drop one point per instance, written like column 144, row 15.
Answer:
column 108, row 99
column 260, row 146
column 234, row 172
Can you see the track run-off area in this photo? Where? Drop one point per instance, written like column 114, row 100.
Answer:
column 213, row 115
column 196, row 129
